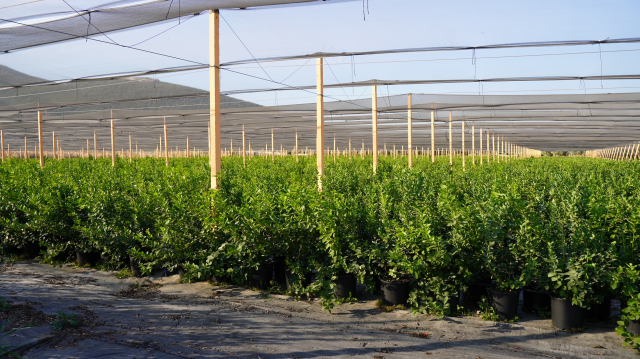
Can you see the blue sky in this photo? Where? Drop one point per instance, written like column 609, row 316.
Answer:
column 389, row 24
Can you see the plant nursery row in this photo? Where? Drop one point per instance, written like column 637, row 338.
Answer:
column 566, row 231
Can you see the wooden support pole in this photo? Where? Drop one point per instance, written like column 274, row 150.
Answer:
column 188, row 148
column 55, row 152
column 335, row 154
column 244, row 149
column 273, row 147
column 166, row 143
column 95, row 144
column 130, row 149
column 463, row 163
column 410, row 131
column 297, row 150
column 214, row 96
column 320, row 121
column 488, row 147
column 362, row 150
column 374, row 122
column 473, row 144
column 481, row 154
column 493, row 140
column 433, row 137
column 450, row 142
column 26, row 149
column 113, row 142
column 40, row 141
column 350, row 152
column 2, row 143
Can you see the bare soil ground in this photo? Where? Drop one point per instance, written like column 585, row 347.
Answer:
column 157, row 317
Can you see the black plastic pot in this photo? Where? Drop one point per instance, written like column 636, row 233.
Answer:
column 262, row 277
column 289, row 279
column 8, row 249
column 533, row 300
column 599, row 312
column 634, row 327
column 394, row 293
column 345, row 285
column 453, row 303
column 169, row 273
column 378, row 286
column 280, row 269
column 30, row 250
column 475, row 293
column 135, row 267
column 565, row 315
column 84, row 258
column 505, row 304
column 220, row 279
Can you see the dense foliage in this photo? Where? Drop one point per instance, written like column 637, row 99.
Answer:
column 569, row 226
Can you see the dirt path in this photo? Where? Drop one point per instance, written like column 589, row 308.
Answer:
column 201, row 321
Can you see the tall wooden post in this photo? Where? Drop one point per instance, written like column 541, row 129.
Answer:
column 473, row 144
column 113, row 142
column 244, row 149
column 130, row 149
column 362, row 150
column 493, row 138
column 480, row 153
column 374, row 121
column 95, row 144
column 450, row 143
column 2, row 143
column 463, row 163
column 40, row 140
column 214, row 96
column 320, row 121
column 433, row 137
column 350, row 152
column 273, row 147
column 297, row 146
column 335, row 154
column 488, row 148
column 188, row 148
column 26, row 149
column 55, row 152
column 166, row 143
column 410, row 131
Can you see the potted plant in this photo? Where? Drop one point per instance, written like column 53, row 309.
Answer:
column 342, row 229
column 629, row 326
column 502, row 252
column 572, row 280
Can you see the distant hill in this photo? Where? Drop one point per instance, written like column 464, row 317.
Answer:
column 123, row 89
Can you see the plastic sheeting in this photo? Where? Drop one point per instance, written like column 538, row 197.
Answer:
column 544, row 122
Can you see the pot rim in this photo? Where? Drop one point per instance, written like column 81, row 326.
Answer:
column 506, row 293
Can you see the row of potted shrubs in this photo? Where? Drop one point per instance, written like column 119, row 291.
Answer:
column 562, row 226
